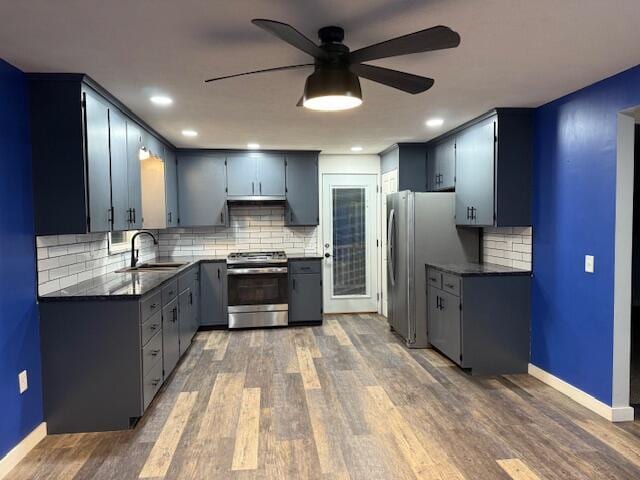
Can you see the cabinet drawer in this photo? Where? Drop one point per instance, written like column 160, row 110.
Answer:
column 186, row 279
column 151, row 383
column 304, row 266
column 152, row 353
column 451, row 284
column 150, row 305
column 169, row 291
column 434, row 278
column 151, row 326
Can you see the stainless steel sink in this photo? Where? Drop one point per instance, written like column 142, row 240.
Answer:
column 153, row 267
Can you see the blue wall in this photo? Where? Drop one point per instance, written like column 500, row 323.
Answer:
column 19, row 339
column 574, row 215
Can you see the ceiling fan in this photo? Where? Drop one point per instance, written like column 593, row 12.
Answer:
column 334, row 84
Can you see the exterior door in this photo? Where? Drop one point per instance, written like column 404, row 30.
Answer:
column 350, row 265
column 389, row 185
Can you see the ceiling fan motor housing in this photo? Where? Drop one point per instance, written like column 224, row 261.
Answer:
column 331, row 34
column 328, row 81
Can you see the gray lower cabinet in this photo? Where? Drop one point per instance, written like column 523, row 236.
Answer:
column 171, row 336
column 213, row 294
column 302, row 189
column 305, row 291
column 480, row 322
column 202, row 196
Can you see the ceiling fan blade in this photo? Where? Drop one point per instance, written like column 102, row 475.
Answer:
column 406, row 82
column 435, row 38
column 274, row 69
column 290, row 35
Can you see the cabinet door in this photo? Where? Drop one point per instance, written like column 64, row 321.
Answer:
column 185, row 320
column 475, row 177
column 171, row 187
column 432, row 178
column 213, row 298
column 302, row 189
column 195, row 318
column 170, row 336
column 305, row 298
column 450, row 316
column 98, row 162
column 242, row 175
column 119, row 174
column 434, row 321
column 134, row 144
column 201, row 190
column 445, row 161
column 271, row 175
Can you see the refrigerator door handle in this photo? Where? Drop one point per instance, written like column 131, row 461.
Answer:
column 391, row 248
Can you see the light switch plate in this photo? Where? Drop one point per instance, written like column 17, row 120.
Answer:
column 589, row 263
column 23, row 383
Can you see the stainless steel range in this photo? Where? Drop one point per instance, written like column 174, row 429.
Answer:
column 258, row 289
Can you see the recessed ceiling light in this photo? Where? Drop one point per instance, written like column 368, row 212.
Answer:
column 253, row 146
column 161, row 100
column 356, row 149
column 189, row 133
column 435, row 122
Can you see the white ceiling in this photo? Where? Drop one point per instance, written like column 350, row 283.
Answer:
column 513, row 53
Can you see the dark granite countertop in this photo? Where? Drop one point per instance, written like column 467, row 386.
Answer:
column 126, row 285
column 477, row 269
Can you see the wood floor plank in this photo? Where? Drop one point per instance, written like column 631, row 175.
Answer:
column 161, row 455
column 245, row 454
column 307, row 369
column 517, row 469
column 346, row 400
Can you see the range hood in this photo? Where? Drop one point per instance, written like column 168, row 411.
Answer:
column 256, row 199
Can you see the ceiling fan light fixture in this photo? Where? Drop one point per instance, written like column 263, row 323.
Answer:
column 331, row 90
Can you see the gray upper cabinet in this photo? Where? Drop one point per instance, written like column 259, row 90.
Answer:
column 493, row 159
column 171, row 186
column 255, row 174
column 86, row 170
column 97, row 145
column 201, row 189
column 441, row 161
column 134, row 144
column 271, row 175
column 410, row 160
column 475, row 161
column 302, row 189
column 119, row 171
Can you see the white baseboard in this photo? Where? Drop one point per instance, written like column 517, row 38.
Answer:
column 20, row 451
column 613, row 414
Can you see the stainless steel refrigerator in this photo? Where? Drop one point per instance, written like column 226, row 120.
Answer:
column 421, row 227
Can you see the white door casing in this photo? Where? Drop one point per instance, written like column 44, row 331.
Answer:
column 350, row 225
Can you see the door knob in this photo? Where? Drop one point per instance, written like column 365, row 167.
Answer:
column 327, row 255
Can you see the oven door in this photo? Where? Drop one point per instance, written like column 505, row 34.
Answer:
column 258, row 297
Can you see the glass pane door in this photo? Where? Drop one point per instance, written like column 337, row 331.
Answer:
column 349, row 242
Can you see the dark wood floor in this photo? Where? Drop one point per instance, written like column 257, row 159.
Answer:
column 345, row 400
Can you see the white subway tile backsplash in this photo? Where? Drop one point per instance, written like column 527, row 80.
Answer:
column 507, row 246
column 64, row 260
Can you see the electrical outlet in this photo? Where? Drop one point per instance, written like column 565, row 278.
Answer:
column 23, row 383
column 589, row 263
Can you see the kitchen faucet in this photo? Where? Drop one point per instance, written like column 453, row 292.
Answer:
column 134, row 251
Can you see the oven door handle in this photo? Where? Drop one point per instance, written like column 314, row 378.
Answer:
column 254, row 271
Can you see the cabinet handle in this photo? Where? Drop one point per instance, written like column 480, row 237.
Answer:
column 134, row 215
column 473, row 213
column 153, row 306
column 252, row 188
column 449, row 285
column 129, row 216
column 190, row 298
column 294, row 284
column 153, row 327
column 260, row 185
column 218, row 273
column 154, row 353
column 437, row 302
column 175, row 314
column 155, row 381
column 169, row 217
column 468, row 214
column 433, row 279
column 110, row 216
column 222, row 217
